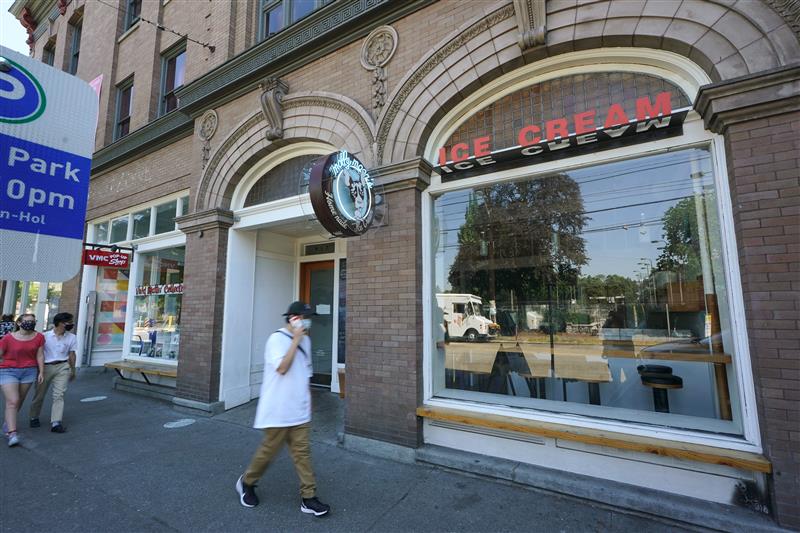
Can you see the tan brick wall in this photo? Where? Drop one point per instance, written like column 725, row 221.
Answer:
column 153, row 176
column 764, row 172
column 138, row 46
column 201, row 314
column 101, row 27
column 384, row 326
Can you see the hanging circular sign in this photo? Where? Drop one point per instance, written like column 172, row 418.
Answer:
column 342, row 194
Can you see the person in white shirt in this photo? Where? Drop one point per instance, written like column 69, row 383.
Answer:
column 59, row 370
column 284, row 410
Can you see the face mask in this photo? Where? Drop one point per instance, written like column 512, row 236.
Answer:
column 69, row 327
column 28, row 325
column 304, row 323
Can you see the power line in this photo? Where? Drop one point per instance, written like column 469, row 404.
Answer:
column 161, row 27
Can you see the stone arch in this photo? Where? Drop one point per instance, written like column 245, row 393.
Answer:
column 308, row 116
column 725, row 41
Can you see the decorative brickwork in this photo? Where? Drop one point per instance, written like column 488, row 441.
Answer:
column 726, row 41
column 317, row 116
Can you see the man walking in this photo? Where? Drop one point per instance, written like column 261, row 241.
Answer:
column 284, row 410
column 59, row 369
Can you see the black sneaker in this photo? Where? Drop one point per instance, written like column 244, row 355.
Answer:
column 247, row 493
column 314, row 506
column 35, row 423
column 58, row 428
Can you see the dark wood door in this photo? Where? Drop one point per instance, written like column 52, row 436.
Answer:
column 316, row 288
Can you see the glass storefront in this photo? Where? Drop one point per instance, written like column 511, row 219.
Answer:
column 157, row 304
column 596, row 291
column 40, row 298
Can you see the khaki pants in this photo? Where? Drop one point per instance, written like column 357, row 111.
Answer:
column 58, row 376
column 296, row 437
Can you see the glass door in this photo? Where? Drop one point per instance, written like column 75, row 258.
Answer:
column 316, row 288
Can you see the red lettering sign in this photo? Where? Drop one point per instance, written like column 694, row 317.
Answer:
column 581, row 133
column 558, row 128
column 106, row 259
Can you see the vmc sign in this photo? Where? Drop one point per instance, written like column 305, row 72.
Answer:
column 47, row 129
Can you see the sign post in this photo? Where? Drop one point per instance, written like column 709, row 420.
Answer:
column 47, row 130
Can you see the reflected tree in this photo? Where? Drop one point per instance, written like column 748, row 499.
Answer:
column 521, row 238
column 682, row 247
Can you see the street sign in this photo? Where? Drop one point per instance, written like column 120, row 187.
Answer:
column 47, row 129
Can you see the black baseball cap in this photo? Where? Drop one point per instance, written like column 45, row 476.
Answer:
column 299, row 308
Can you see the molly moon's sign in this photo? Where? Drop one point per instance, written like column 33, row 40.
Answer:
column 565, row 137
column 342, row 194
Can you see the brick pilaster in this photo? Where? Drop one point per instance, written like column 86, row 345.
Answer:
column 760, row 118
column 203, row 304
column 384, row 314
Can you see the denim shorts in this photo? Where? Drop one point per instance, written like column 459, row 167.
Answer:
column 18, row 375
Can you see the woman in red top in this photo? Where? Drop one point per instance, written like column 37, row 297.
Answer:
column 21, row 363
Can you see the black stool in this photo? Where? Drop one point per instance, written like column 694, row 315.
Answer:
column 660, row 379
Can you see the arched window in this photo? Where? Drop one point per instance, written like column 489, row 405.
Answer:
column 282, row 181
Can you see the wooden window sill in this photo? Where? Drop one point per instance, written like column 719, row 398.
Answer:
column 679, row 450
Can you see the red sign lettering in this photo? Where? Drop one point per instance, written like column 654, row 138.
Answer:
column 559, row 128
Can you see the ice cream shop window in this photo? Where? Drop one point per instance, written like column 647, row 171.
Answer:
column 157, row 304
column 597, row 291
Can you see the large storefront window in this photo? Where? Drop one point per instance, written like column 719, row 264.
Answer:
column 157, row 306
column 597, row 291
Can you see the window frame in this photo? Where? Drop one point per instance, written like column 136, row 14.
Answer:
column 76, row 30
column 265, row 6
column 694, row 136
column 49, row 53
column 689, row 78
column 128, row 213
column 166, row 57
column 133, row 12
column 121, row 88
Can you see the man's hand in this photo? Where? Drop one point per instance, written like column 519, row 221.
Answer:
column 299, row 331
column 72, row 374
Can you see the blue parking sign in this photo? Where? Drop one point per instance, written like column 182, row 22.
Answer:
column 47, row 131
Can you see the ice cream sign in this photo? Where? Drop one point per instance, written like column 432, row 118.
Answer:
column 47, row 130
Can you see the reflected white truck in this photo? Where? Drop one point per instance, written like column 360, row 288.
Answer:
column 463, row 316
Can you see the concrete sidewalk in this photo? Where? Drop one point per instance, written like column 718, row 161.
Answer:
column 118, row 468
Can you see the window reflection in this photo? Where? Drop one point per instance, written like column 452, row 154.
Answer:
column 599, row 290
column 158, row 303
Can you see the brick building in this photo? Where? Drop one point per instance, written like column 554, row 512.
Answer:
column 588, row 258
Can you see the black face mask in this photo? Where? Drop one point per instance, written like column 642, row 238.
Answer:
column 28, row 325
column 69, row 327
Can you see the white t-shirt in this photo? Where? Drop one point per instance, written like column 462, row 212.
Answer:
column 57, row 348
column 285, row 398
